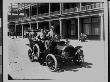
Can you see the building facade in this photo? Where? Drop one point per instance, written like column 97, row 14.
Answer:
column 69, row 19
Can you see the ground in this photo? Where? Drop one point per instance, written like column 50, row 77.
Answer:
column 20, row 66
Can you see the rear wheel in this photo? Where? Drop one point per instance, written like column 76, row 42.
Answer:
column 36, row 50
column 31, row 57
column 51, row 62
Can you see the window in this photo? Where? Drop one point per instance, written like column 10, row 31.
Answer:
column 91, row 26
column 87, row 26
column 95, row 26
column 87, row 29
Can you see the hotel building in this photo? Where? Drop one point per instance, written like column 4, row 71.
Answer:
column 69, row 19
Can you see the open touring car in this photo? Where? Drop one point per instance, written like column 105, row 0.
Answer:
column 54, row 52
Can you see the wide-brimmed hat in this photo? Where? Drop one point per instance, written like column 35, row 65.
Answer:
column 52, row 27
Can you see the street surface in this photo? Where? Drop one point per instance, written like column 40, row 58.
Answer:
column 20, row 66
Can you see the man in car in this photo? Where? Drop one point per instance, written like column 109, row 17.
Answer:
column 40, row 35
column 51, row 33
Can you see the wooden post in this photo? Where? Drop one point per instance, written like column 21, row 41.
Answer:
column 11, row 9
column 24, row 10
column 22, row 31
column 29, row 11
column 37, row 25
column 60, row 28
column 78, row 26
column 15, row 31
column 49, row 8
column 37, row 10
column 80, row 6
column 18, row 9
column 101, row 26
column 30, row 26
column 49, row 24
column 60, row 8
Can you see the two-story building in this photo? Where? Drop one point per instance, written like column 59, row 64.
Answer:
column 69, row 19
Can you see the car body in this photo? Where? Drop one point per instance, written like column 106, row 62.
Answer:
column 54, row 53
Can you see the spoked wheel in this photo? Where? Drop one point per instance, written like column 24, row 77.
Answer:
column 46, row 44
column 36, row 50
column 51, row 62
column 79, row 59
column 31, row 57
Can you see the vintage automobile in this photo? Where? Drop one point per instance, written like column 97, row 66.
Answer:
column 55, row 53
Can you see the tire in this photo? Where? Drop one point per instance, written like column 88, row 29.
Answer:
column 31, row 57
column 51, row 62
column 36, row 51
column 46, row 44
column 79, row 59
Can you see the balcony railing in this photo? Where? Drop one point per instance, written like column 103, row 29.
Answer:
column 91, row 7
column 71, row 10
column 55, row 13
column 84, row 8
column 43, row 15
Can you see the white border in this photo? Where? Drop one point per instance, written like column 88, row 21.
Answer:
column 5, row 38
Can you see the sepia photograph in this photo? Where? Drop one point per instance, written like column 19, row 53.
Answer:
column 56, row 41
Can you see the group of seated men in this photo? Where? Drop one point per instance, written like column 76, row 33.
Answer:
column 42, row 35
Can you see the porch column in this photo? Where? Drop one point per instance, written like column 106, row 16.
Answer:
column 101, row 27
column 30, row 11
column 22, row 31
column 60, row 28
column 49, row 9
column 15, row 30
column 37, row 25
column 24, row 10
column 30, row 26
column 60, row 8
column 11, row 9
column 49, row 23
column 37, row 10
column 80, row 4
column 78, row 27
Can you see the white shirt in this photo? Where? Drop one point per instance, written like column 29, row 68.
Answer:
column 40, row 34
column 51, row 33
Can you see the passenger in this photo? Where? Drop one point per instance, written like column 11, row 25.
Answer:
column 40, row 35
column 51, row 33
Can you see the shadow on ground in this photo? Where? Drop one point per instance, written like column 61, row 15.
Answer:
column 74, row 68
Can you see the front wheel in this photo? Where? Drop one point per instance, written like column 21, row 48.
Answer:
column 51, row 62
column 79, row 57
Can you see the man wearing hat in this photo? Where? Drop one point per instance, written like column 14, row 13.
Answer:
column 51, row 32
column 40, row 35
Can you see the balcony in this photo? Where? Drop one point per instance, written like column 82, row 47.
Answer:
column 91, row 7
column 71, row 10
column 55, row 13
column 43, row 15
